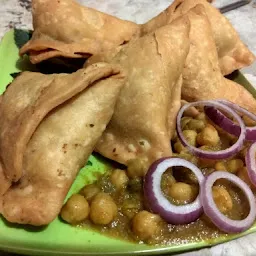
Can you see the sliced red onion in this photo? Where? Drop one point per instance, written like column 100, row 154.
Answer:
column 211, row 210
column 159, row 204
column 222, row 121
column 222, row 154
column 228, row 125
column 251, row 163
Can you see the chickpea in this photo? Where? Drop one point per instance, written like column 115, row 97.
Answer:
column 222, row 199
column 145, row 225
column 182, row 192
column 234, row 165
column 220, row 166
column 178, row 147
column 197, row 125
column 184, row 121
column 208, row 136
column 243, row 175
column 75, row 210
column 103, row 209
column 136, row 167
column 201, row 117
column 190, row 136
column 191, row 112
column 90, row 191
column 119, row 178
column 167, row 181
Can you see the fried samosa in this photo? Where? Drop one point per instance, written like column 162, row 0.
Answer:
column 144, row 117
column 4, row 183
column 232, row 52
column 202, row 77
column 56, row 122
column 66, row 28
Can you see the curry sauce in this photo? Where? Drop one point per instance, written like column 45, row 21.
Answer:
column 126, row 214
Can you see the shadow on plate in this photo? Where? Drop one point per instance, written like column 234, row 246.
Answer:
column 28, row 228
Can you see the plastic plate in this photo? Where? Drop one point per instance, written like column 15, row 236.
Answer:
column 59, row 238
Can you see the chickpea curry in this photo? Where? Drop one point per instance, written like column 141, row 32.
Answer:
column 117, row 203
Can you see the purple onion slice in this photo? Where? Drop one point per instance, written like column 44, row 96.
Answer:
column 157, row 201
column 222, row 121
column 222, row 154
column 228, row 125
column 251, row 163
column 211, row 210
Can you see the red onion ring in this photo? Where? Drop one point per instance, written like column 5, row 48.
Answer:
column 222, row 121
column 228, row 125
column 222, row 154
column 251, row 163
column 159, row 204
column 211, row 210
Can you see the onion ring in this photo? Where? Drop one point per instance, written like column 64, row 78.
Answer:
column 222, row 154
column 228, row 125
column 211, row 210
column 251, row 163
column 159, row 204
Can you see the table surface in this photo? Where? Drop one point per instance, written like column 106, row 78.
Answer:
column 16, row 13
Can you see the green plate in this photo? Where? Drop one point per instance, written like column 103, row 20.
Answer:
column 59, row 238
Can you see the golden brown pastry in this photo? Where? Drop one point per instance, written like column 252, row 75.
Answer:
column 232, row 52
column 66, row 28
column 202, row 78
column 176, row 103
column 144, row 117
column 57, row 120
column 4, row 183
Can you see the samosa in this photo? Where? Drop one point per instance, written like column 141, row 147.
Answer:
column 232, row 52
column 202, row 77
column 49, row 130
column 66, row 28
column 144, row 117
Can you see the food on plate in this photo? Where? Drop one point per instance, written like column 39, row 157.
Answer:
column 49, row 127
column 184, row 197
column 144, row 117
column 202, row 78
column 5, row 183
column 232, row 52
column 154, row 99
column 66, row 28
